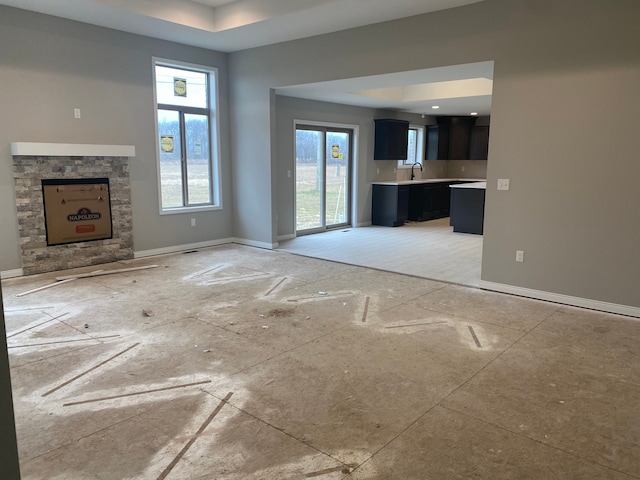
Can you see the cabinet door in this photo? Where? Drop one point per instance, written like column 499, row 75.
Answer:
column 391, row 139
column 403, row 204
column 389, row 205
column 429, row 201
column 437, row 142
column 416, row 200
column 459, row 141
column 479, row 143
column 442, row 200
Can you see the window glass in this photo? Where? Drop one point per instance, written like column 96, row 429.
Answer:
column 198, row 162
column 412, row 146
column 181, row 87
column 170, row 148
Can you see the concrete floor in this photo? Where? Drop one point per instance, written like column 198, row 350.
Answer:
column 255, row 364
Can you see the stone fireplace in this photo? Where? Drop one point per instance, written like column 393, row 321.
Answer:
column 35, row 162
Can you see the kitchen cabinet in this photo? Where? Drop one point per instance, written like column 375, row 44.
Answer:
column 453, row 138
column 391, row 139
column 428, row 201
column 459, row 139
column 479, row 142
column 437, row 147
column 390, row 205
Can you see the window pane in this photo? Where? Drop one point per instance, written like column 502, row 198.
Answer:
column 309, row 179
column 170, row 158
column 198, row 161
column 412, row 146
column 336, row 178
column 180, row 87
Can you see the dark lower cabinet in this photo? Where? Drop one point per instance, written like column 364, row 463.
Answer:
column 428, row 201
column 390, row 205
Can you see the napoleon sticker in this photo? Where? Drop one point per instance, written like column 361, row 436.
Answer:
column 179, row 87
column 83, row 215
column 166, row 143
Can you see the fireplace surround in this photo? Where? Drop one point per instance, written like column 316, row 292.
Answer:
column 35, row 162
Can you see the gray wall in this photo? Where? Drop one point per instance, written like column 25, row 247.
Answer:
column 50, row 66
column 564, row 129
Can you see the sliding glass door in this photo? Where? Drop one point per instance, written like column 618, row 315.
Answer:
column 323, row 178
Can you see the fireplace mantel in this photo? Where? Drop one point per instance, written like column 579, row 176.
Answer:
column 71, row 150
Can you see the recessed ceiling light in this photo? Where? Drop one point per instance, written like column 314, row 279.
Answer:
column 435, row 107
column 474, row 113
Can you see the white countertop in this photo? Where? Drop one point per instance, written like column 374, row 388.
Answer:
column 432, row 180
column 478, row 185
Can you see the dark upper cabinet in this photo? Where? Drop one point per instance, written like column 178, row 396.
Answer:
column 391, row 139
column 456, row 138
column 459, row 139
column 479, row 142
column 437, row 147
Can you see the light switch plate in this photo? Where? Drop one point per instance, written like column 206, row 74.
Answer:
column 503, row 184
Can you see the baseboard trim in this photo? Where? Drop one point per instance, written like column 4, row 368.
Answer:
column 254, row 243
column 211, row 243
column 563, row 299
column 289, row 236
column 181, row 248
column 363, row 224
column 16, row 272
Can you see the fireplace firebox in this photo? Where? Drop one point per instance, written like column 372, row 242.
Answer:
column 76, row 210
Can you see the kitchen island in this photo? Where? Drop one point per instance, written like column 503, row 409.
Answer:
column 467, row 207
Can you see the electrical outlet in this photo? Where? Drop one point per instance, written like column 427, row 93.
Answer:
column 76, row 113
column 462, row 168
column 193, row 222
column 520, row 256
column 503, row 184
column 288, row 173
column 377, row 171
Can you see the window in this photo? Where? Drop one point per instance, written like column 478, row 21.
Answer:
column 187, row 140
column 414, row 146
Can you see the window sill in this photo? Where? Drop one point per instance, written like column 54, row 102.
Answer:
column 174, row 211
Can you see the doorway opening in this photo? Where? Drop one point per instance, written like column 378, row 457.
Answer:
column 323, row 178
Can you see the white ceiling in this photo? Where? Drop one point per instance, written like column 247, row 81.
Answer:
column 232, row 25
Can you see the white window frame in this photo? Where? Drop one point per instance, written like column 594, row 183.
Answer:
column 420, row 143
column 214, row 136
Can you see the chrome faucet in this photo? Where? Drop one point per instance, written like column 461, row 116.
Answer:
column 417, row 163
